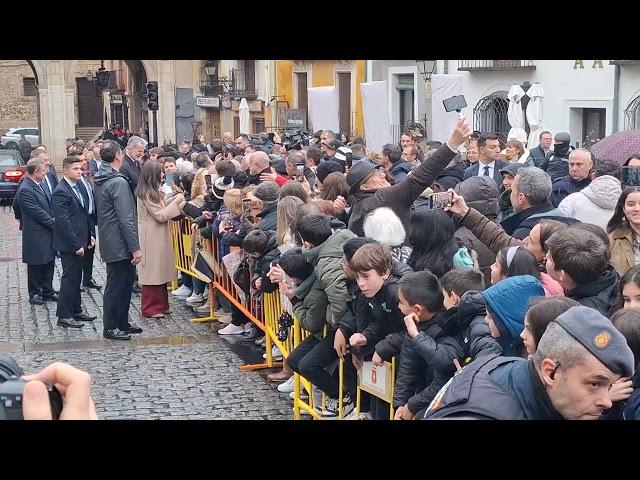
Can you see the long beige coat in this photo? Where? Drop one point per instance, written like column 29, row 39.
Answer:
column 158, row 264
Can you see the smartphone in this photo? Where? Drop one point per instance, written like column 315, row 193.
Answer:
column 246, row 208
column 275, row 263
column 300, row 174
column 168, row 178
column 207, row 179
column 440, row 200
column 631, row 176
column 454, row 104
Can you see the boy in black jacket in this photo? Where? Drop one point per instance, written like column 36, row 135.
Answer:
column 466, row 311
column 426, row 352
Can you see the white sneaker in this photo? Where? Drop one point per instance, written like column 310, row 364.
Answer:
column 286, row 387
column 195, row 298
column 183, row 291
column 276, row 354
column 331, row 407
column 203, row 309
column 231, row 329
column 247, row 327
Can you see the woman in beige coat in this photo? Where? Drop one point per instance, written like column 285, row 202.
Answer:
column 624, row 231
column 157, row 266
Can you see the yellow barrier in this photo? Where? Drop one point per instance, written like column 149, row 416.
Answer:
column 383, row 388
column 183, row 249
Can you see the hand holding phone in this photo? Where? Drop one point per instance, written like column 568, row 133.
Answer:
column 440, row 200
column 456, row 103
column 246, row 208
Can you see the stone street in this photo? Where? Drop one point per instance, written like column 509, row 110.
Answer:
column 175, row 369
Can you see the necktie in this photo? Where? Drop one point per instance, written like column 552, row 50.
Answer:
column 77, row 192
column 486, row 171
column 45, row 188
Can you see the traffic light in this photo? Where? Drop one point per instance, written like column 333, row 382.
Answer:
column 152, row 95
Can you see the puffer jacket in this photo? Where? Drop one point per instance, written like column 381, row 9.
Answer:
column 263, row 264
column 468, row 321
column 601, row 294
column 507, row 301
column 268, row 218
column 520, row 224
column 557, row 165
column 424, row 363
column 311, row 305
column 327, row 261
column 622, row 255
column 480, row 193
column 380, row 316
column 116, row 212
column 400, row 196
column 565, row 186
column 595, row 203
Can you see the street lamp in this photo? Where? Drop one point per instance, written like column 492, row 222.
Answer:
column 211, row 68
column 426, row 68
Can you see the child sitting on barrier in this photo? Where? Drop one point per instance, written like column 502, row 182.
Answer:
column 425, row 351
column 377, row 312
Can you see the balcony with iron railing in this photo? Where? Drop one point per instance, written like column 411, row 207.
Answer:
column 242, row 83
column 475, row 65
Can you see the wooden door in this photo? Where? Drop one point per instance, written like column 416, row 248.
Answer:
column 89, row 104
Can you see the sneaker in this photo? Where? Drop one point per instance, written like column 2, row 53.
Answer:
column 331, row 407
column 183, row 291
column 204, row 309
column 261, row 342
column 303, row 394
column 276, row 354
column 247, row 327
column 231, row 329
column 195, row 298
column 286, row 387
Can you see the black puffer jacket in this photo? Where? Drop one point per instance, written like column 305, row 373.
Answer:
column 424, row 363
column 557, row 164
column 116, row 211
column 268, row 218
column 565, row 186
column 471, row 324
column 480, row 193
column 263, row 264
column 380, row 316
column 400, row 196
column 601, row 294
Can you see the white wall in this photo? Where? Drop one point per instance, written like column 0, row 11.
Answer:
column 629, row 89
column 564, row 87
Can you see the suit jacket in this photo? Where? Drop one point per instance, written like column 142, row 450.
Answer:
column 72, row 227
column 37, row 224
column 131, row 170
column 88, row 190
column 53, row 179
column 472, row 171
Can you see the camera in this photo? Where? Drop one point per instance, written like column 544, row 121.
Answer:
column 296, row 140
column 12, row 389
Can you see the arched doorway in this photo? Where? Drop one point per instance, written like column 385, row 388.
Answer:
column 19, row 105
column 490, row 114
column 117, row 96
column 632, row 113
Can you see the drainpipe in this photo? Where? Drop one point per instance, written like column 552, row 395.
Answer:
column 616, row 92
column 369, row 74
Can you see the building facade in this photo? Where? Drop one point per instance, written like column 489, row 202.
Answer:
column 295, row 77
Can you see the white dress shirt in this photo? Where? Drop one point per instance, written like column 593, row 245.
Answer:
column 481, row 168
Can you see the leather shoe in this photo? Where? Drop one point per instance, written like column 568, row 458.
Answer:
column 116, row 334
column 70, row 323
column 92, row 284
column 36, row 300
column 132, row 329
column 85, row 317
column 53, row 297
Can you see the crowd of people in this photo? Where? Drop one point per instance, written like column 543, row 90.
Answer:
column 518, row 298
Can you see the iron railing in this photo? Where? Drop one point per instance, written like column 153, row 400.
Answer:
column 241, row 84
column 494, row 64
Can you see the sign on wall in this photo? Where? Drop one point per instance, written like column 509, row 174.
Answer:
column 208, row 102
column 116, row 99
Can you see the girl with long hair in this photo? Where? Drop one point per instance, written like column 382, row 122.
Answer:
column 624, row 231
column 157, row 266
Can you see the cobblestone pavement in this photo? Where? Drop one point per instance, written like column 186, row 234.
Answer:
column 175, row 369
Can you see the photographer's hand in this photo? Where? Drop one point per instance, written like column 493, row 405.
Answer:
column 73, row 384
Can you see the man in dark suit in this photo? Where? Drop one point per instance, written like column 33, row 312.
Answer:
column 131, row 161
column 488, row 162
column 543, row 149
column 89, row 197
column 72, row 236
column 37, row 232
column 50, row 181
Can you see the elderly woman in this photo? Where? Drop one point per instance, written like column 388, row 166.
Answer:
column 384, row 226
column 157, row 265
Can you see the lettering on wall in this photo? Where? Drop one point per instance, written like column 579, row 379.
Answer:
column 580, row 64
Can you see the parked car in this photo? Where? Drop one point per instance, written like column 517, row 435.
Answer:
column 12, row 169
column 12, row 137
